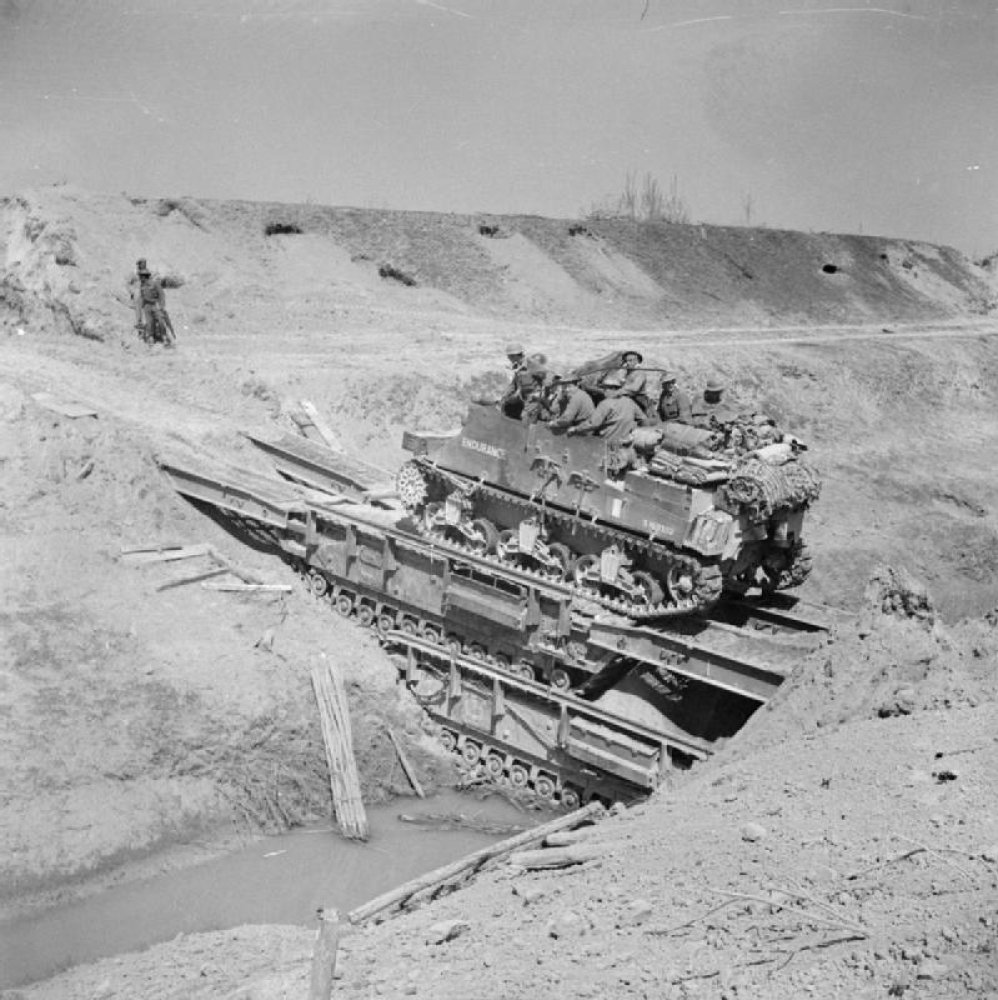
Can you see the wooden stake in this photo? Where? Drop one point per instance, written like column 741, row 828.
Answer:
column 327, row 940
column 319, row 422
column 406, row 766
column 249, row 588
column 470, row 864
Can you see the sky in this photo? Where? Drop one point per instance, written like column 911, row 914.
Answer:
column 877, row 118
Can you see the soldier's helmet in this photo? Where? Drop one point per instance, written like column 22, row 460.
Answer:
column 714, row 385
column 668, row 378
column 514, row 349
column 613, row 381
column 635, row 354
column 142, row 267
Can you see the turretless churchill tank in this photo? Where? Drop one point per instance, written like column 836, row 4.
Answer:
column 660, row 525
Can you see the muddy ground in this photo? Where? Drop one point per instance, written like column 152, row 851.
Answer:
column 136, row 719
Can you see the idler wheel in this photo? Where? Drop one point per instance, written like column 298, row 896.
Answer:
column 318, row 583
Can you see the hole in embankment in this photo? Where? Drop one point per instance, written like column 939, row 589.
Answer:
column 392, row 273
column 830, row 268
column 281, row 229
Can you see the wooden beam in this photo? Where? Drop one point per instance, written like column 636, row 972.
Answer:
column 471, row 863
column 170, row 555
column 207, row 575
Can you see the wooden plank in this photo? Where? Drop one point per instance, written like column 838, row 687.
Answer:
column 327, row 433
column 171, row 555
column 344, row 781
column 129, row 550
column 249, row 588
column 471, row 863
column 66, row 408
column 217, row 571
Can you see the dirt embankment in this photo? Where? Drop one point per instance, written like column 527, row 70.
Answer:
column 135, row 716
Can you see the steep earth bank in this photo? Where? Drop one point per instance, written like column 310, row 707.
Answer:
column 135, row 717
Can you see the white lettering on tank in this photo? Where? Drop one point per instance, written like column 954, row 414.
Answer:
column 483, row 448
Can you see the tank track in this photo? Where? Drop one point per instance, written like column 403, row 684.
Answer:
column 709, row 582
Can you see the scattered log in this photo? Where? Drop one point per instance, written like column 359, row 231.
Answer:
column 142, row 557
column 319, row 422
column 565, row 838
column 327, row 940
column 560, row 857
column 65, row 408
column 406, row 766
column 243, row 574
column 470, row 864
column 344, row 781
column 128, row 550
column 207, row 575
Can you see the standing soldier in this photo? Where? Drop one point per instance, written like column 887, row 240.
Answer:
column 638, row 384
column 151, row 318
column 529, row 376
column 674, row 404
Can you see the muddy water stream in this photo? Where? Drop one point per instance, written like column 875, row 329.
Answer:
column 279, row 880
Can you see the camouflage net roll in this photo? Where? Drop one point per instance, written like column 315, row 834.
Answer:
column 765, row 489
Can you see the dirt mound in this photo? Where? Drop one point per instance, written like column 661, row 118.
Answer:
column 66, row 256
column 896, row 659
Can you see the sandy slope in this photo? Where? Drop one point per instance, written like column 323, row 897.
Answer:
column 902, row 426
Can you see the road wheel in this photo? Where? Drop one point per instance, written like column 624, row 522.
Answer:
column 484, row 537
column 366, row 615
column 560, row 679
column 318, row 583
column 519, row 776
column 448, row 740
column 545, row 787
column 570, row 798
column 562, row 554
column 494, row 766
column 471, row 752
column 586, row 567
column 650, row 588
column 344, row 604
